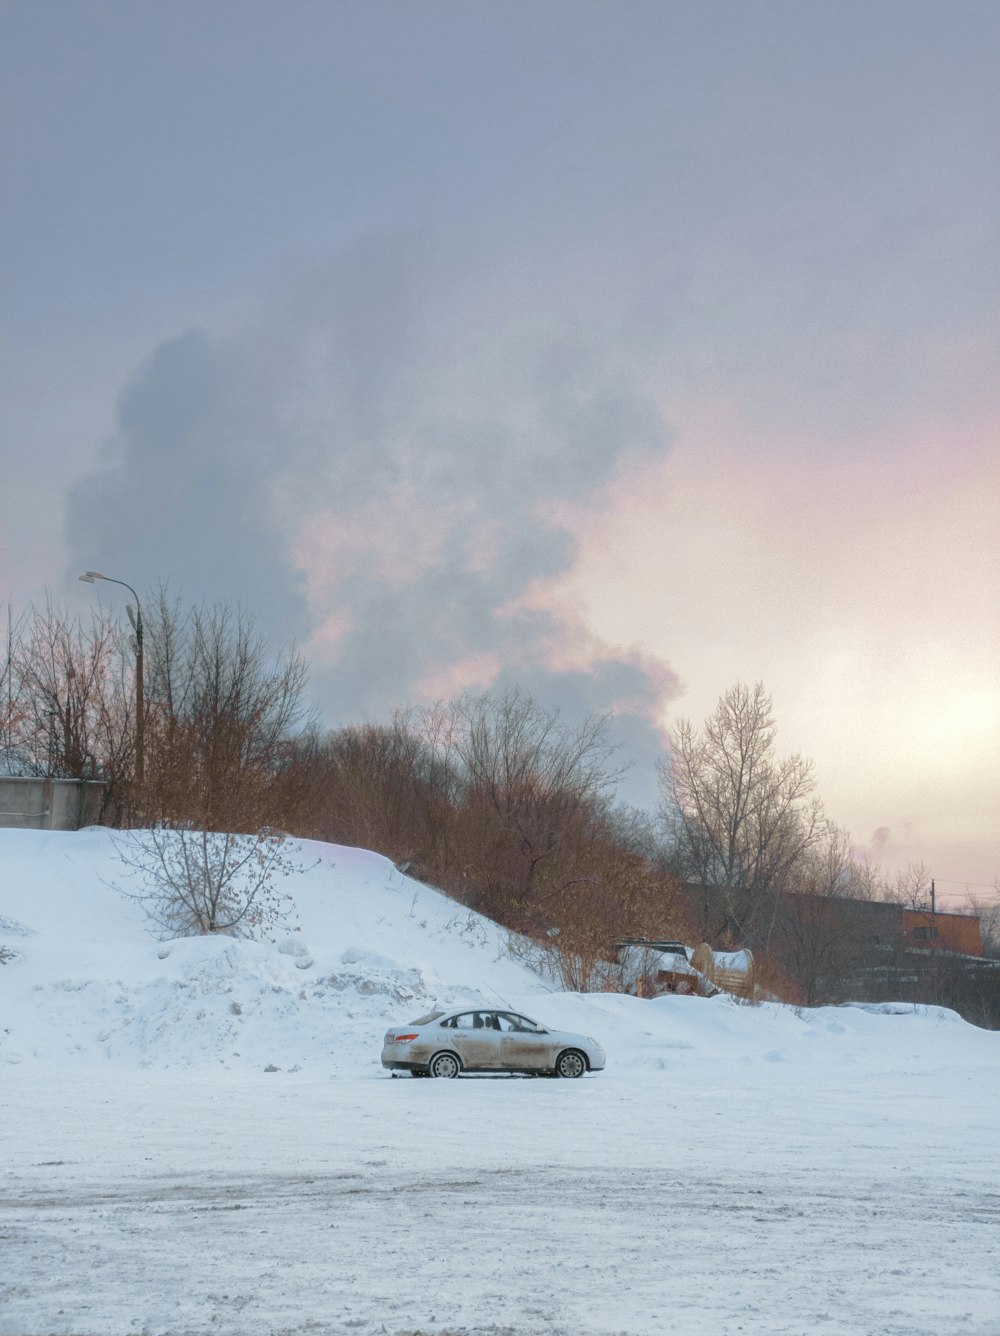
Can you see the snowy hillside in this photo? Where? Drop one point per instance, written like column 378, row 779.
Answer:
column 198, row 1137
column 87, row 978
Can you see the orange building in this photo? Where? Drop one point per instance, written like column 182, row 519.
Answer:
column 959, row 933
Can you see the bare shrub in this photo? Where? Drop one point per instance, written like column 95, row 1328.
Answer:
column 192, row 882
column 387, row 787
column 775, row 982
column 528, row 782
column 590, row 898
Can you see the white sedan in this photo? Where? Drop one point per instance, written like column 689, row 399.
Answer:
column 447, row 1043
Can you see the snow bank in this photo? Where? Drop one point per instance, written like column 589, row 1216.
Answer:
column 84, row 980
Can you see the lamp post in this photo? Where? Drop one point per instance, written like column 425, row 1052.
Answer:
column 91, row 577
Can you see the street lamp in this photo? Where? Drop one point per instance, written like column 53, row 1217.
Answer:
column 91, row 577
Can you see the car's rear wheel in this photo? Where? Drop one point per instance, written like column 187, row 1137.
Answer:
column 444, row 1065
column 570, row 1064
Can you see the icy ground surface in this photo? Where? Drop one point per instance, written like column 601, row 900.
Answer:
column 735, row 1170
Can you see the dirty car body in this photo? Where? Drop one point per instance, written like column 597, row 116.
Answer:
column 479, row 1039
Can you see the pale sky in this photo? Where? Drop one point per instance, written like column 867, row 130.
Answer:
column 625, row 351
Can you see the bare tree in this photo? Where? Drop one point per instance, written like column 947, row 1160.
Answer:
column 988, row 913
column 819, row 940
column 742, row 816
column 911, row 887
column 72, row 696
column 222, row 714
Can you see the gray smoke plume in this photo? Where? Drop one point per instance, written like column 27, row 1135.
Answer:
column 380, row 453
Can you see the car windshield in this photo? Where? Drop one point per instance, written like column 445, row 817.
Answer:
column 426, row 1020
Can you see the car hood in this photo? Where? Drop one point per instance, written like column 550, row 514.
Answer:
column 567, row 1037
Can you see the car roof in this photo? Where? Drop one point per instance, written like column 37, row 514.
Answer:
column 482, row 1006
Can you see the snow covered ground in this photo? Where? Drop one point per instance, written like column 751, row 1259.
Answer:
column 197, row 1136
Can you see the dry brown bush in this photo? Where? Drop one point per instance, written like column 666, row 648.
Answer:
column 501, row 804
column 221, row 717
column 385, row 787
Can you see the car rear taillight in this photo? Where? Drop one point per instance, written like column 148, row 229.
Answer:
column 404, row 1038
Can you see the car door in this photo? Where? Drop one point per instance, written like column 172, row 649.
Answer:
column 477, row 1040
column 525, row 1046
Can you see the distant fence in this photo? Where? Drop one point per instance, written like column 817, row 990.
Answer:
column 49, row 804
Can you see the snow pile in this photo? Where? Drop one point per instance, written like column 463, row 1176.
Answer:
column 85, row 977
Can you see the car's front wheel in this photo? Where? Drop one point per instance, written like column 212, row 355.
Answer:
column 570, row 1064
column 444, row 1065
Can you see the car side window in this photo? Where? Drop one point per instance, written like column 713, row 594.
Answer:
column 448, row 1024
column 510, row 1022
column 475, row 1020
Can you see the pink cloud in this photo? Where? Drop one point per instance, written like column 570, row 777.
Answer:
column 475, row 673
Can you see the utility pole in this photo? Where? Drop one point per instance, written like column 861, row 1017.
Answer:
column 89, row 577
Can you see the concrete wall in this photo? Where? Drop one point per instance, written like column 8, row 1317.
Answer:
column 49, row 804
